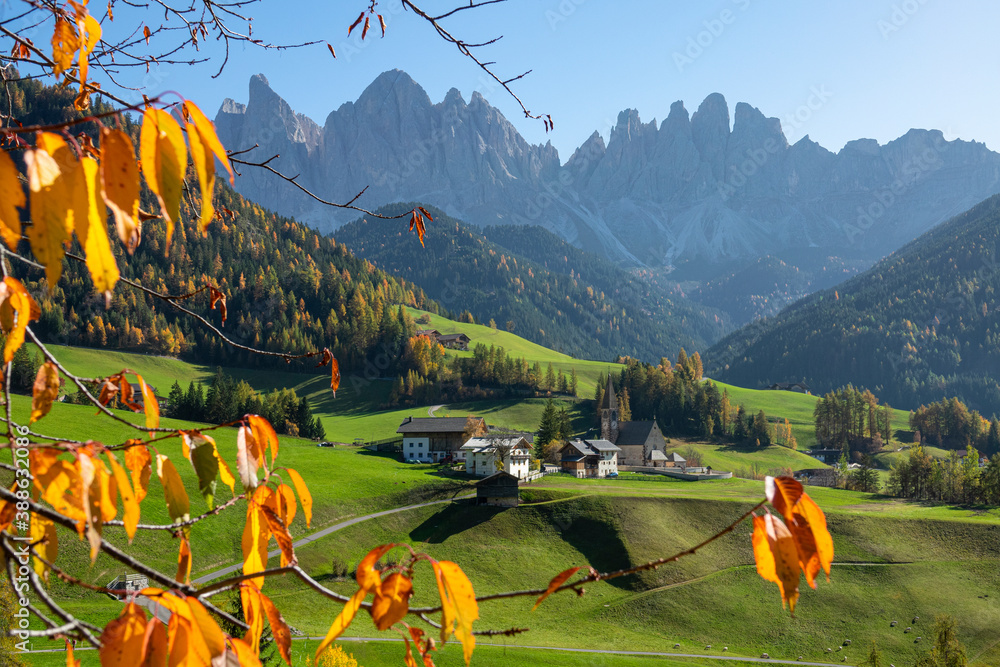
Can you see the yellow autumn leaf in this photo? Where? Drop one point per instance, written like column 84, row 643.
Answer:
column 89, row 32
column 120, row 184
column 11, row 198
column 462, row 602
column 43, row 532
column 205, row 146
column 25, row 309
column 130, row 504
column 178, row 505
column 50, row 211
column 164, row 160
column 92, row 231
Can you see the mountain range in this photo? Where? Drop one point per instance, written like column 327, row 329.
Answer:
column 694, row 189
column 919, row 326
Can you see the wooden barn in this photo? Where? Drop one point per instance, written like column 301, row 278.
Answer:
column 499, row 490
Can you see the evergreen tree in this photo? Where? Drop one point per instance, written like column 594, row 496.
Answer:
column 740, row 424
column 548, row 429
column 562, row 384
column 175, row 399
column 572, row 381
column 564, row 427
column 759, row 431
column 233, row 604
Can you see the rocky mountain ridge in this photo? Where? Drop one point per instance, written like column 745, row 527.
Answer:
column 689, row 189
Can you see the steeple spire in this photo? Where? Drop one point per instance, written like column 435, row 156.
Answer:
column 610, row 401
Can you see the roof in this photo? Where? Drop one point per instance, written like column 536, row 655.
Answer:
column 676, row 458
column 657, row 455
column 588, row 448
column 603, row 445
column 428, row 332
column 789, row 385
column 436, row 424
column 451, row 337
column 634, row 433
column 483, row 444
column 610, row 401
column 498, row 479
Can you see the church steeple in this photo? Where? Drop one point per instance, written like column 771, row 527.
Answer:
column 609, row 413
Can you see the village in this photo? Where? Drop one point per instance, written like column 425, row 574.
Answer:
column 504, row 459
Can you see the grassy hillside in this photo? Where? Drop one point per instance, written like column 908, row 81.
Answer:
column 888, row 569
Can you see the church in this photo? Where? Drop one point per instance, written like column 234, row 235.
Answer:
column 641, row 443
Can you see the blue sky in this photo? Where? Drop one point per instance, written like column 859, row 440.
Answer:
column 833, row 70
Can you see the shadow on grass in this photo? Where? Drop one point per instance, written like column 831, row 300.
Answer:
column 454, row 519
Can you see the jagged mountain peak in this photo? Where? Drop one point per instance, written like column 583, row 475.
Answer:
column 694, row 187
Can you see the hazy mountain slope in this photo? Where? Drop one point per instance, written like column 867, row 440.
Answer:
column 573, row 302
column 918, row 326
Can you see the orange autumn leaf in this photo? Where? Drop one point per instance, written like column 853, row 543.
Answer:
column 164, row 161
column 776, row 557
column 45, row 391
column 281, row 535
column 215, row 639
column 556, row 582
column 783, row 493
column 217, row 297
column 120, row 185
column 70, row 660
column 139, row 463
column 65, row 44
column 123, row 638
column 184, row 561
column 342, row 621
column 264, row 434
column 334, row 376
column 810, row 522
column 279, row 628
column 284, row 505
column 11, row 198
column 392, row 601
column 149, row 404
column 367, row 576
column 154, row 644
column 304, row 496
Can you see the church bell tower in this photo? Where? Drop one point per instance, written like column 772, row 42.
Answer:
column 609, row 413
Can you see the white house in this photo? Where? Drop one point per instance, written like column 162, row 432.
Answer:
column 590, row 458
column 482, row 454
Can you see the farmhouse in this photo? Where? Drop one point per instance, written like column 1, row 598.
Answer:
column 800, row 387
column 434, row 439
column 433, row 334
column 589, row 458
column 499, row 489
column 458, row 341
column 675, row 460
column 641, row 442
column 487, row 455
